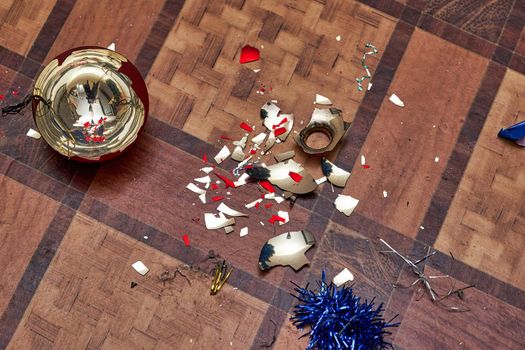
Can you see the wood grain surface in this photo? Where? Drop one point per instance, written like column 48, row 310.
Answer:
column 69, row 232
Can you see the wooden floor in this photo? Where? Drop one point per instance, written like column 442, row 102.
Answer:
column 69, row 232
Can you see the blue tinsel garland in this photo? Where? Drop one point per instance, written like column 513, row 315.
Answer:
column 339, row 320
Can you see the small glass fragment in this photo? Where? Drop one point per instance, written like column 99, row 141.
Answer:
column 242, row 142
column 346, row 204
column 202, row 197
column 515, row 133
column 252, row 204
column 227, row 182
column 214, row 222
column 140, row 267
column 363, row 162
column 33, row 133
column 223, row 208
column 338, row 38
column 111, row 47
column 270, row 141
column 320, row 180
column 385, row 194
column 222, row 155
column 186, row 240
column 228, row 229
column 246, row 127
column 193, row 188
column 343, row 277
column 396, row 100
column 249, row 54
column 259, row 138
column 238, row 154
column 281, row 157
column 333, row 173
column 365, row 67
column 284, row 215
column 286, row 249
column 436, row 159
column 322, row 100
column 203, row 180
column 244, row 231
column 242, row 180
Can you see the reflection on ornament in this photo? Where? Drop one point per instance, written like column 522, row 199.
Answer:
column 93, row 103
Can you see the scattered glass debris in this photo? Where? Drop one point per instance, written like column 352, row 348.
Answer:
column 385, row 194
column 111, row 47
column 287, row 249
column 186, row 240
column 436, row 159
column 346, row 204
column 396, row 100
column 373, row 51
column 140, row 267
column 363, row 162
column 343, row 277
column 338, row 38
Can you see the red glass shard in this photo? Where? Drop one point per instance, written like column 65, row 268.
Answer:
column 249, row 54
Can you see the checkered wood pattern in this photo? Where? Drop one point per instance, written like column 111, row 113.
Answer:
column 85, row 300
column 83, row 225
column 488, row 210
column 198, row 85
column 21, row 22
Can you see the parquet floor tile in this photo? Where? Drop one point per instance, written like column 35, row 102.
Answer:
column 21, row 21
column 69, row 232
column 25, row 216
column 101, row 23
column 85, row 300
column 484, row 226
column 403, row 144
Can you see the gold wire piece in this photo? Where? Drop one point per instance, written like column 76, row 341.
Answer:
column 221, row 276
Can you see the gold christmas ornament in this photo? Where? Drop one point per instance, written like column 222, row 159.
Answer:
column 90, row 104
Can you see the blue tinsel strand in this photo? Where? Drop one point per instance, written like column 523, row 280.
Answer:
column 339, row 320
